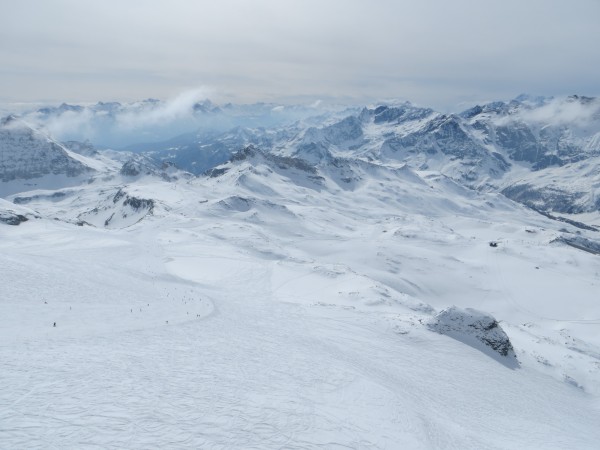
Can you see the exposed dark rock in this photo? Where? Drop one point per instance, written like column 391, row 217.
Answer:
column 119, row 195
column 520, row 143
column 546, row 198
column 139, row 165
column 55, row 196
column 10, row 218
column 139, row 203
column 347, row 129
column 575, row 223
column 283, row 162
column 405, row 112
column 581, row 243
column 477, row 329
column 217, row 172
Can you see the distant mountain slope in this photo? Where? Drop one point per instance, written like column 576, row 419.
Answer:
column 29, row 159
column 542, row 152
column 26, row 153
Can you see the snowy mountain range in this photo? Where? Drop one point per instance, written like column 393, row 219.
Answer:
column 532, row 150
column 354, row 278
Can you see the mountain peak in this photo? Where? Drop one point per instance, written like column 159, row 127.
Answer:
column 27, row 153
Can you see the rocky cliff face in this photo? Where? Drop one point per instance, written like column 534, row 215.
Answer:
column 26, row 154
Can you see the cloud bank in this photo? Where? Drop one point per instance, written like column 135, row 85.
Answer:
column 578, row 113
column 118, row 125
column 571, row 111
column 430, row 52
column 179, row 108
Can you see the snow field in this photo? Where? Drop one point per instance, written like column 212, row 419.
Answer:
column 281, row 361
column 295, row 320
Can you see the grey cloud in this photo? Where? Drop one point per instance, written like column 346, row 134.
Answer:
column 433, row 52
column 574, row 112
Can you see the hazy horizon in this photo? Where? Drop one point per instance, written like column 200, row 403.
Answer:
column 441, row 55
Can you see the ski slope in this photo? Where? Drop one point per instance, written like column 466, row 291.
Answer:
column 262, row 310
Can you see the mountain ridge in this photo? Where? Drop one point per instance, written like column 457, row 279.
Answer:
column 530, row 149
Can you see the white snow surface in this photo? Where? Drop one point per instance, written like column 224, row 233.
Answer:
column 267, row 309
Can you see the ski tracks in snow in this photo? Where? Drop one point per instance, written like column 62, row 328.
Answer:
column 259, row 373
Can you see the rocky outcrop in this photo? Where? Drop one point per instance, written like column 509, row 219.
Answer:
column 11, row 214
column 10, row 218
column 477, row 329
column 120, row 210
column 139, row 165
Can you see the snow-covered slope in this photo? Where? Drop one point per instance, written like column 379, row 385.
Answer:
column 314, row 294
column 30, row 159
column 12, row 214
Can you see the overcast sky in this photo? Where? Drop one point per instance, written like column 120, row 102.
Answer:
column 435, row 53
